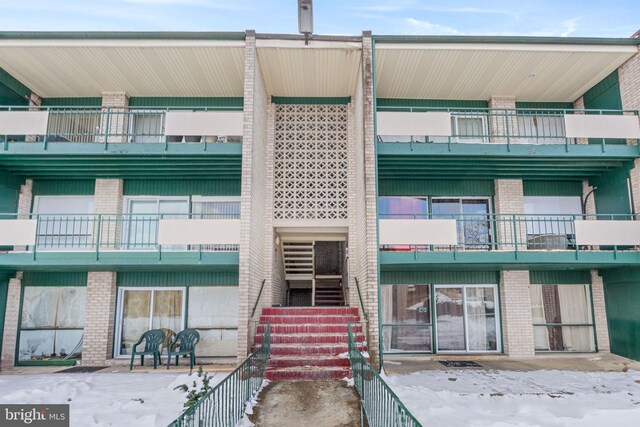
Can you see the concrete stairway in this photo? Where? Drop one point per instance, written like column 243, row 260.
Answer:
column 329, row 293
column 306, row 342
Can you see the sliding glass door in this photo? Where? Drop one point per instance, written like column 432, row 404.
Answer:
column 472, row 218
column 466, row 318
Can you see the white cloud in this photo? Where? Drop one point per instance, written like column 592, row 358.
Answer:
column 569, row 26
column 430, row 28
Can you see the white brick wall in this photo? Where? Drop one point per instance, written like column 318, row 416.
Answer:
column 497, row 122
column 116, row 123
column 253, row 193
column 97, row 346
column 108, row 200
column 599, row 311
column 11, row 321
column 509, row 199
column 629, row 78
column 517, row 320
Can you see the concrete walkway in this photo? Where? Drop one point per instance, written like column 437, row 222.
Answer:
column 307, row 403
column 594, row 362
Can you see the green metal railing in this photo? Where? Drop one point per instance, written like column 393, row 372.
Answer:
column 511, row 232
column 502, row 126
column 224, row 404
column 378, row 403
column 112, row 125
column 109, row 232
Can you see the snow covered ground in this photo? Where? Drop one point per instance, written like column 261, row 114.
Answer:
column 105, row 399
column 520, row 399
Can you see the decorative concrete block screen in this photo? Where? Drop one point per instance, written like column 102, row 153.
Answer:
column 310, row 162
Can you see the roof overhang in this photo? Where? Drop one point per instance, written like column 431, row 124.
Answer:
column 155, row 65
column 526, row 70
column 319, row 69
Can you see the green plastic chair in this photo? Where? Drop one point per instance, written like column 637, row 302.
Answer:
column 186, row 340
column 153, row 339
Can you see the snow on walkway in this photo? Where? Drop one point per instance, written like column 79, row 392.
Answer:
column 520, row 399
column 105, row 399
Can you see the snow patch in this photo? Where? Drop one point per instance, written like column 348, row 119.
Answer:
column 349, row 381
column 248, row 410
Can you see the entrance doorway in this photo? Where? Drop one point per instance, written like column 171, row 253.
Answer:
column 466, row 318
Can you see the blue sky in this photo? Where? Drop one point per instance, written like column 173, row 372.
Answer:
column 614, row 18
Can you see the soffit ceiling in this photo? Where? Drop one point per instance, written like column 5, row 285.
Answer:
column 320, row 69
column 478, row 71
column 86, row 68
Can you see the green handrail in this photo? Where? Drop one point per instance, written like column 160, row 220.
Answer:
column 378, row 403
column 224, row 404
column 364, row 311
column 258, row 299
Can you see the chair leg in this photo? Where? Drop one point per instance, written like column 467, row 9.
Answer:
column 155, row 361
column 168, row 360
column 131, row 364
column 142, row 360
column 177, row 356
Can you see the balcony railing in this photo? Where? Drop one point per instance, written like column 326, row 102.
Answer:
column 517, row 232
column 505, row 126
column 116, row 232
column 120, row 125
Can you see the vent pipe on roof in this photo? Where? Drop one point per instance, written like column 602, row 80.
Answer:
column 305, row 19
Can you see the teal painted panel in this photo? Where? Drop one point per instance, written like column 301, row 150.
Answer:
column 552, row 188
column 546, row 105
column 160, row 101
column 337, row 100
column 612, row 194
column 14, row 85
column 64, row 187
column 435, row 187
column 623, row 317
column 605, row 95
column 70, row 278
column 10, row 98
column 72, row 102
column 439, row 277
column 182, row 187
column 561, row 277
column 8, row 199
column 430, row 103
column 178, row 278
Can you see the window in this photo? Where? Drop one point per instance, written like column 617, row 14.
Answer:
column 472, row 216
column 65, row 222
column 550, row 221
column 141, row 309
column 466, row 126
column 52, row 322
column 143, row 213
column 146, row 126
column 213, row 311
column 541, row 127
column 402, row 208
column 406, row 318
column 562, row 318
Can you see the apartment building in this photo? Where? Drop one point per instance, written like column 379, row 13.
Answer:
column 464, row 194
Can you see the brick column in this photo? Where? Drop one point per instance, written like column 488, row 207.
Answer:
column 34, row 103
column 599, row 311
column 578, row 104
column 499, row 123
column 115, row 121
column 99, row 317
column 517, row 320
column 107, row 201
column 25, row 201
column 11, row 322
column 509, row 199
column 369, row 281
column 252, row 200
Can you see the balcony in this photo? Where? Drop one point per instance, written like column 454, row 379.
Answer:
column 119, row 239
column 89, row 142
column 518, row 142
column 498, row 240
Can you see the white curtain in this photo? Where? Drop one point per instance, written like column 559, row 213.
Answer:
column 540, row 333
column 575, row 309
column 387, row 315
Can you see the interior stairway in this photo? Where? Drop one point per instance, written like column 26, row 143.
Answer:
column 329, row 293
column 309, row 343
